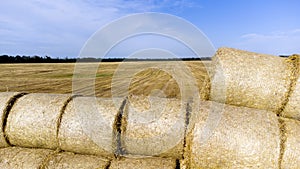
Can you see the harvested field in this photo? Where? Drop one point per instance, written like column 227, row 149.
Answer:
column 57, row 78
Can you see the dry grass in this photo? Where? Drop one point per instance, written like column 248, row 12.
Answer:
column 57, row 78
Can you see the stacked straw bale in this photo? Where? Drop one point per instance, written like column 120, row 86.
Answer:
column 22, row 158
column 291, row 154
column 33, row 120
column 87, row 126
column 4, row 101
column 143, row 163
column 250, row 79
column 25, row 158
column 292, row 108
column 154, row 134
column 67, row 160
column 155, row 127
column 243, row 138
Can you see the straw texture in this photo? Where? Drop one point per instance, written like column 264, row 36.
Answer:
column 250, row 79
column 87, row 126
column 143, row 163
column 33, row 120
column 155, row 127
column 243, row 138
column 68, row 160
column 291, row 155
column 4, row 101
column 292, row 108
column 22, row 158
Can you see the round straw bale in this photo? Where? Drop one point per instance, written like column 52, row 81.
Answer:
column 242, row 138
column 4, row 101
column 144, row 163
column 291, row 154
column 292, row 108
column 87, row 126
column 67, row 160
column 33, row 120
column 249, row 79
column 155, row 127
column 205, row 89
column 22, row 158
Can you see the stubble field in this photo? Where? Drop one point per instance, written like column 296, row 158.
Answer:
column 138, row 78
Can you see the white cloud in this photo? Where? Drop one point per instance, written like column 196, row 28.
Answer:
column 276, row 43
column 63, row 26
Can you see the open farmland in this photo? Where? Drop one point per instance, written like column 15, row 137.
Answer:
column 144, row 77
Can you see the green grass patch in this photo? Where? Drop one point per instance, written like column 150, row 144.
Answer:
column 67, row 75
column 104, row 75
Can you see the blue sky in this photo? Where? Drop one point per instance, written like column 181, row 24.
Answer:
column 60, row 28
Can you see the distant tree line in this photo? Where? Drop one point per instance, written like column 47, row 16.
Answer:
column 284, row 56
column 48, row 59
column 33, row 59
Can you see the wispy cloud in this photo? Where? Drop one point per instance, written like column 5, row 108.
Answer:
column 277, row 43
column 63, row 26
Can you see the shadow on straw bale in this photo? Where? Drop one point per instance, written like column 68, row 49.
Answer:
column 4, row 101
column 292, row 108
